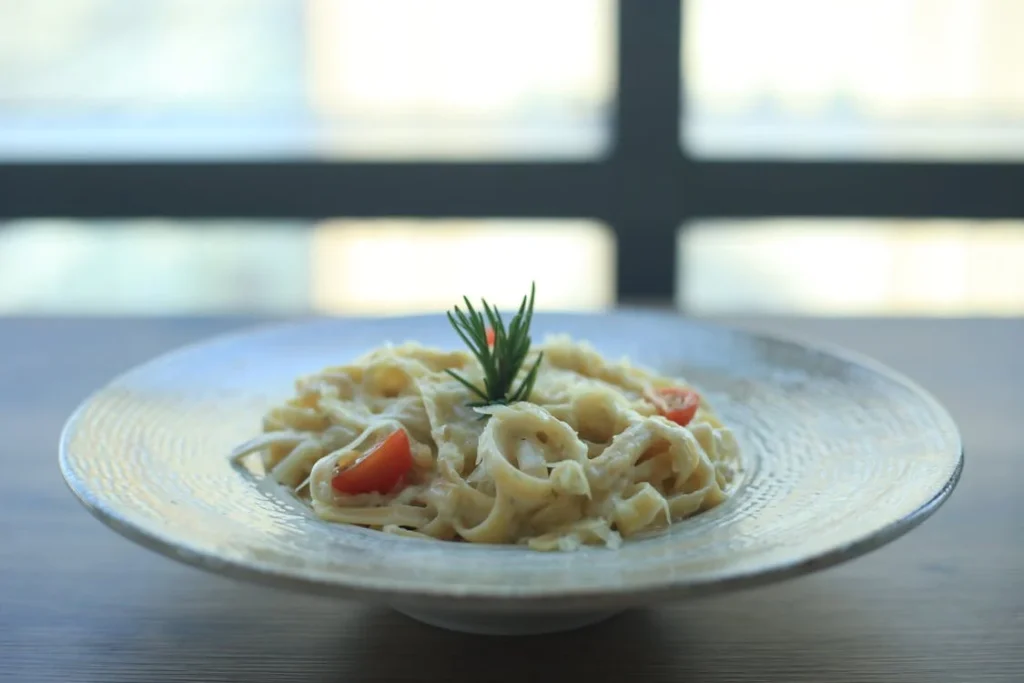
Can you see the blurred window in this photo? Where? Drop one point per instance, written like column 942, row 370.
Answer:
column 161, row 267
column 852, row 267
column 202, row 79
column 930, row 79
column 500, row 83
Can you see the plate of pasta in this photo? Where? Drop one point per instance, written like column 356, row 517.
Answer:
column 510, row 473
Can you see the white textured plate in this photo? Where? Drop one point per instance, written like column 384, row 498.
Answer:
column 841, row 455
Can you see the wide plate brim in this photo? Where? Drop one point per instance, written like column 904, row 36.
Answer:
column 841, row 455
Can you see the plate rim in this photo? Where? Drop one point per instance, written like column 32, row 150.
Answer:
column 477, row 598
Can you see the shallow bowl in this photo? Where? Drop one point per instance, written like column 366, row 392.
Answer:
column 840, row 455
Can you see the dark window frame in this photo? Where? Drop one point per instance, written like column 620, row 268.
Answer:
column 645, row 189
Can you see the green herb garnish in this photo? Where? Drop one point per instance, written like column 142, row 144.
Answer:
column 502, row 360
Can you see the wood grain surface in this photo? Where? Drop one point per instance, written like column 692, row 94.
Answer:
column 945, row 603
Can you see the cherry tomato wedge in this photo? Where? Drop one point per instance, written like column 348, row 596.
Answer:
column 380, row 470
column 679, row 405
column 490, row 336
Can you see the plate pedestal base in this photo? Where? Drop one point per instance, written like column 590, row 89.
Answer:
column 504, row 624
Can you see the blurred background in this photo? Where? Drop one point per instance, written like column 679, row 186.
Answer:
column 685, row 192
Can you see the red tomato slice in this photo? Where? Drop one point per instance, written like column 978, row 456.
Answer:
column 680, row 405
column 381, row 470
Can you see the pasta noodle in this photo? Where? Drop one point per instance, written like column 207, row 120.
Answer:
column 589, row 459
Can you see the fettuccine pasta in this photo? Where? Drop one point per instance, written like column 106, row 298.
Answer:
column 600, row 450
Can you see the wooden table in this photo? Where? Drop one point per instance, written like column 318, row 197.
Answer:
column 945, row 603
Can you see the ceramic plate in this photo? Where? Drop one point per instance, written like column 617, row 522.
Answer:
column 840, row 455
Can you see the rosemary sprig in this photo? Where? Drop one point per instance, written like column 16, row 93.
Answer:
column 502, row 361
